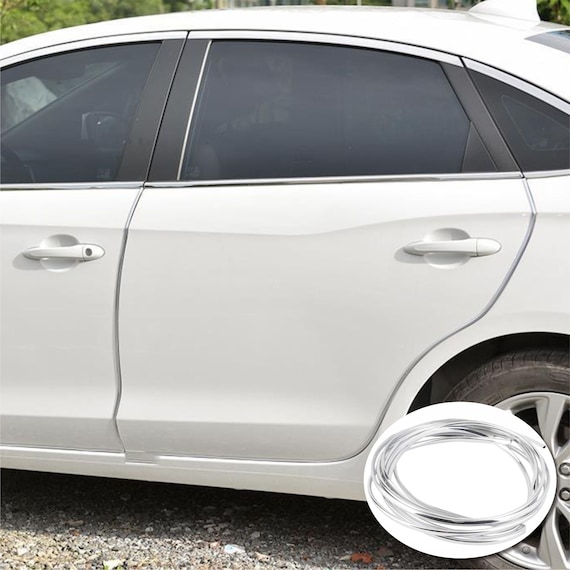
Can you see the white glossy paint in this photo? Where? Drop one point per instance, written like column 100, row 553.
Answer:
column 515, row 312
column 343, row 479
column 528, row 303
column 528, row 293
column 273, row 322
column 58, row 379
column 338, row 480
column 517, row 9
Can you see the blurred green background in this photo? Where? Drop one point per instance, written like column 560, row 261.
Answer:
column 20, row 18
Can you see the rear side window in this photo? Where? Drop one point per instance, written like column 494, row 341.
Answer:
column 289, row 110
column 559, row 39
column 537, row 133
column 67, row 117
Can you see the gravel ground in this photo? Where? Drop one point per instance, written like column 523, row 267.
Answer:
column 67, row 522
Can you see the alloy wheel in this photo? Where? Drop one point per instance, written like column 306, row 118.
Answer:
column 549, row 546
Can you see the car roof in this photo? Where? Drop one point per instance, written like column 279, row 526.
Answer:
column 497, row 41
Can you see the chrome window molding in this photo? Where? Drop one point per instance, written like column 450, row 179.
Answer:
column 546, row 173
column 346, row 41
column 92, row 42
column 316, row 37
column 31, row 186
column 519, row 84
column 192, row 109
column 336, row 180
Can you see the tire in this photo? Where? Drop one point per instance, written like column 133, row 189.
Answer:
column 532, row 384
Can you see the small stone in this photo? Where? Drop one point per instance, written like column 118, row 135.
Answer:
column 385, row 551
column 112, row 564
column 255, row 535
column 149, row 529
column 76, row 523
column 22, row 551
column 233, row 549
column 363, row 557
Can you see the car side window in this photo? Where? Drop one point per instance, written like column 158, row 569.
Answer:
column 67, row 117
column 291, row 110
column 537, row 133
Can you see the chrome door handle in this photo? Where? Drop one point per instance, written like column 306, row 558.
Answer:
column 474, row 247
column 77, row 252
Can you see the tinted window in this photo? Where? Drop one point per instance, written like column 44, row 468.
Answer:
column 66, row 118
column 560, row 39
column 537, row 133
column 286, row 110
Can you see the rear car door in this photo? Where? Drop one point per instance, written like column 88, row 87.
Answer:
column 70, row 178
column 320, row 212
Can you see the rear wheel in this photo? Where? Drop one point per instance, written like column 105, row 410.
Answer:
column 535, row 386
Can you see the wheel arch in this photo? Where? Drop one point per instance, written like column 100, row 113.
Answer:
column 450, row 373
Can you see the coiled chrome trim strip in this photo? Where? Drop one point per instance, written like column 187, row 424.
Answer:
column 391, row 496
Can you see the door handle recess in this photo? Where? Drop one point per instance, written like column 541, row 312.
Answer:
column 77, row 252
column 474, row 247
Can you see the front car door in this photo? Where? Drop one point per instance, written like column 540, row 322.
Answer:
column 70, row 178
column 331, row 213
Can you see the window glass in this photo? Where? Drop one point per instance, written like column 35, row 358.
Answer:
column 287, row 110
column 66, row 118
column 559, row 39
column 537, row 133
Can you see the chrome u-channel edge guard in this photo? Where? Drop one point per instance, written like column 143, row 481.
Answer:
column 460, row 480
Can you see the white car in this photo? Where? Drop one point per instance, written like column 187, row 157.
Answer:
column 236, row 246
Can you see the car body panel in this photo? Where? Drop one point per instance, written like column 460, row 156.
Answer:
column 240, row 306
column 59, row 384
column 542, row 308
column 239, row 266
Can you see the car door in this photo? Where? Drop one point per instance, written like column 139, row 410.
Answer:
column 70, row 178
column 321, row 211
column 536, row 126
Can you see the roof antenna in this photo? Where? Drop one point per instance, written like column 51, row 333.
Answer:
column 517, row 9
